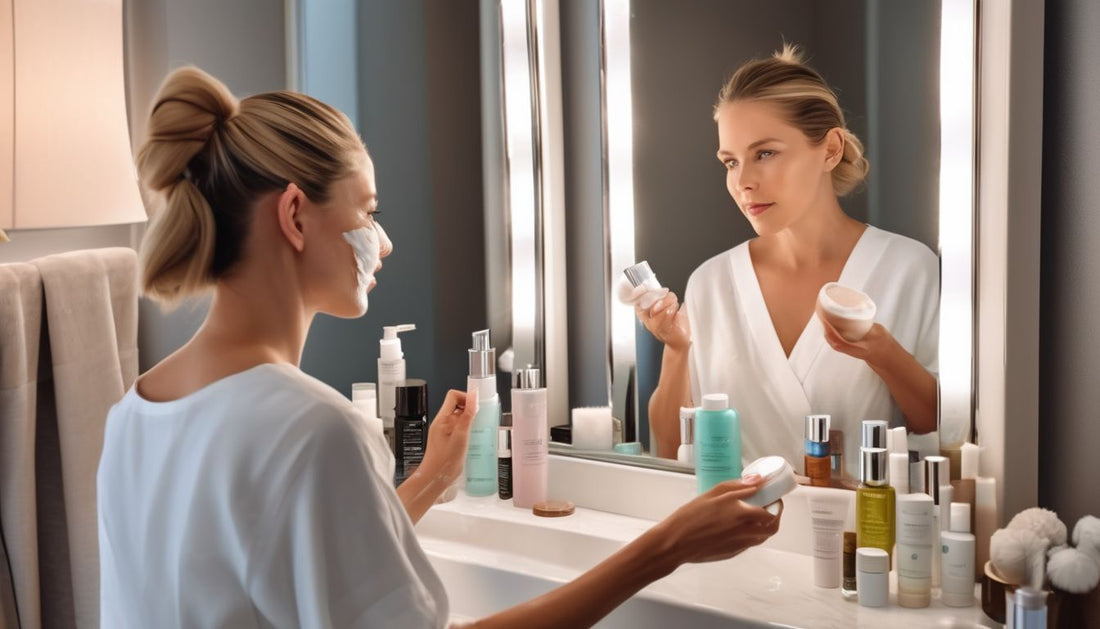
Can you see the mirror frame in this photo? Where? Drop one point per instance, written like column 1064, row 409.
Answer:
column 991, row 323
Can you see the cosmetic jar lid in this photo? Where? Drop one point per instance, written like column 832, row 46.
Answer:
column 846, row 302
column 778, row 478
column 411, row 398
column 527, row 378
column 504, row 441
column 817, row 428
column 872, row 560
column 553, row 508
column 874, row 433
column 937, row 473
column 639, row 273
column 716, row 402
column 874, row 466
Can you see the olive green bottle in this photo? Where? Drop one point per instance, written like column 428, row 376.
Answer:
column 875, row 502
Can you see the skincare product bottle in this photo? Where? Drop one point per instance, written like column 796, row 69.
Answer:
column 873, row 577
column 640, row 275
column 874, row 435
column 411, row 427
column 391, row 370
column 836, row 455
column 1028, row 609
column 848, row 583
column 529, row 440
column 957, row 581
column 686, row 452
column 717, row 442
column 966, row 485
column 827, row 513
column 985, row 519
column 899, row 472
column 816, row 459
column 481, row 452
column 364, row 396
column 504, row 463
column 916, row 541
column 936, row 477
column 875, row 504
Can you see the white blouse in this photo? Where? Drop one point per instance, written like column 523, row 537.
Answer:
column 735, row 348
column 262, row 500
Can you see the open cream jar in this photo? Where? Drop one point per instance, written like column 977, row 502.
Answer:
column 778, row 478
column 851, row 312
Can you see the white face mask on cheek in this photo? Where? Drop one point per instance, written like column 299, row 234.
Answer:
column 365, row 243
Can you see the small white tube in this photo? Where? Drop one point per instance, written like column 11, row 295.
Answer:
column 828, row 511
column 899, row 472
column 968, row 466
column 899, row 440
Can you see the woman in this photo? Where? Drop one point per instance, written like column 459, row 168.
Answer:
column 747, row 325
column 233, row 489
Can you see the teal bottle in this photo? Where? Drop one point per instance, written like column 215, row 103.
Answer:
column 481, row 450
column 717, row 442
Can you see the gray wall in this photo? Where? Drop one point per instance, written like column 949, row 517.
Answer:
column 1069, row 361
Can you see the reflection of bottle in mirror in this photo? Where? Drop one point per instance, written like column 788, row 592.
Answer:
column 717, row 442
column 529, row 440
column 641, row 275
column 504, row 463
column 816, row 459
column 686, row 452
column 481, row 451
column 411, row 427
column 875, row 503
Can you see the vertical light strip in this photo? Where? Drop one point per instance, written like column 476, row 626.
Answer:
column 957, row 205
column 519, row 146
column 619, row 124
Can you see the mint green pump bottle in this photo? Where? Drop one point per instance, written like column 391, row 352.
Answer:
column 481, row 452
column 717, row 442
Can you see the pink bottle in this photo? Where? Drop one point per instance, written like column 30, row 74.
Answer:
column 529, row 440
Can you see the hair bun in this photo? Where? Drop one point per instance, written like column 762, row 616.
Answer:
column 187, row 111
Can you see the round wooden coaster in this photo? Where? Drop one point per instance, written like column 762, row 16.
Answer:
column 553, row 508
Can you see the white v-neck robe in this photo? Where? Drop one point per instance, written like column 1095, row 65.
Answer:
column 735, row 349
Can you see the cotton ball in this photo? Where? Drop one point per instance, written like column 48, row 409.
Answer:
column 1043, row 521
column 627, row 292
column 1086, row 536
column 1012, row 552
column 1073, row 571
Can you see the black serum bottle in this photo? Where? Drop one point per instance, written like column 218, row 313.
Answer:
column 410, row 427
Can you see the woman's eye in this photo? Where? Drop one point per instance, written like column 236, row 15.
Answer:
column 730, row 164
column 764, row 154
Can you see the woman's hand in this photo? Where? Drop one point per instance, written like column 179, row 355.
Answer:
column 449, row 434
column 718, row 525
column 872, row 348
column 667, row 321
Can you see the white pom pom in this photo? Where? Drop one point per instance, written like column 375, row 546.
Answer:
column 626, row 292
column 1044, row 522
column 1073, row 571
column 1086, row 536
column 1012, row 552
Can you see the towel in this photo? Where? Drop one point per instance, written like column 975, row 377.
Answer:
column 91, row 313
column 20, row 328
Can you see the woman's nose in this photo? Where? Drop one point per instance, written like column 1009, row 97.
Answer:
column 385, row 245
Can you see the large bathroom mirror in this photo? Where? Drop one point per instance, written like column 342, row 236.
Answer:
column 617, row 164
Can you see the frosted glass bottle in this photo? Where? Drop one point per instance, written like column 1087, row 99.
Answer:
column 717, row 442
column 530, row 437
column 481, row 450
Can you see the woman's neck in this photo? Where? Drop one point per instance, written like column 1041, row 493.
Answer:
column 819, row 238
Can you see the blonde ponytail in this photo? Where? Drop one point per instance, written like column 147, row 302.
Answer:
column 208, row 157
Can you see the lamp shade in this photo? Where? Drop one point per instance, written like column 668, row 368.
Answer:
column 62, row 86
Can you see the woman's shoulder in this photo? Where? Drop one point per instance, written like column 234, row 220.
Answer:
column 908, row 253
column 716, row 269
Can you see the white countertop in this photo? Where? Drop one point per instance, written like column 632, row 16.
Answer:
column 769, row 586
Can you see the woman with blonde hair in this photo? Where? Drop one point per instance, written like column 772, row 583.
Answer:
column 747, row 326
column 236, row 491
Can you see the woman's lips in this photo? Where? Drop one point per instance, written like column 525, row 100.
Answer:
column 756, row 209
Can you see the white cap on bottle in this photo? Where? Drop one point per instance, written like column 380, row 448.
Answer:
column 716, row 402
column 960, row 517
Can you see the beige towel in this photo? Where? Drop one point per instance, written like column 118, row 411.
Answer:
column 91, row 312
column 20, row 327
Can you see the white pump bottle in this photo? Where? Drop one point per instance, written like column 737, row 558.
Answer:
column 391, row 371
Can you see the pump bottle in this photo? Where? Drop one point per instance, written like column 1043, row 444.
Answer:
column 481, row 452
column 391, row 370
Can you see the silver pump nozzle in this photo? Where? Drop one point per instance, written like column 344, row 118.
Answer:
column 528, row 378
column 483, row 359
column 638, row 273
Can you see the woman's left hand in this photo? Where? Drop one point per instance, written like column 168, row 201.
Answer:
column 449, row 434
column 871, row 348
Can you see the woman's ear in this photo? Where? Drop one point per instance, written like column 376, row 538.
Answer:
column 289, row 209
column 834, row 148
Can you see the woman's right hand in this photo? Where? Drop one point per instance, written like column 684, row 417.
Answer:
column 667, row 321
column 718, row 525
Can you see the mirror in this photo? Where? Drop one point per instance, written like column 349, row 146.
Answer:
column 638, row 81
